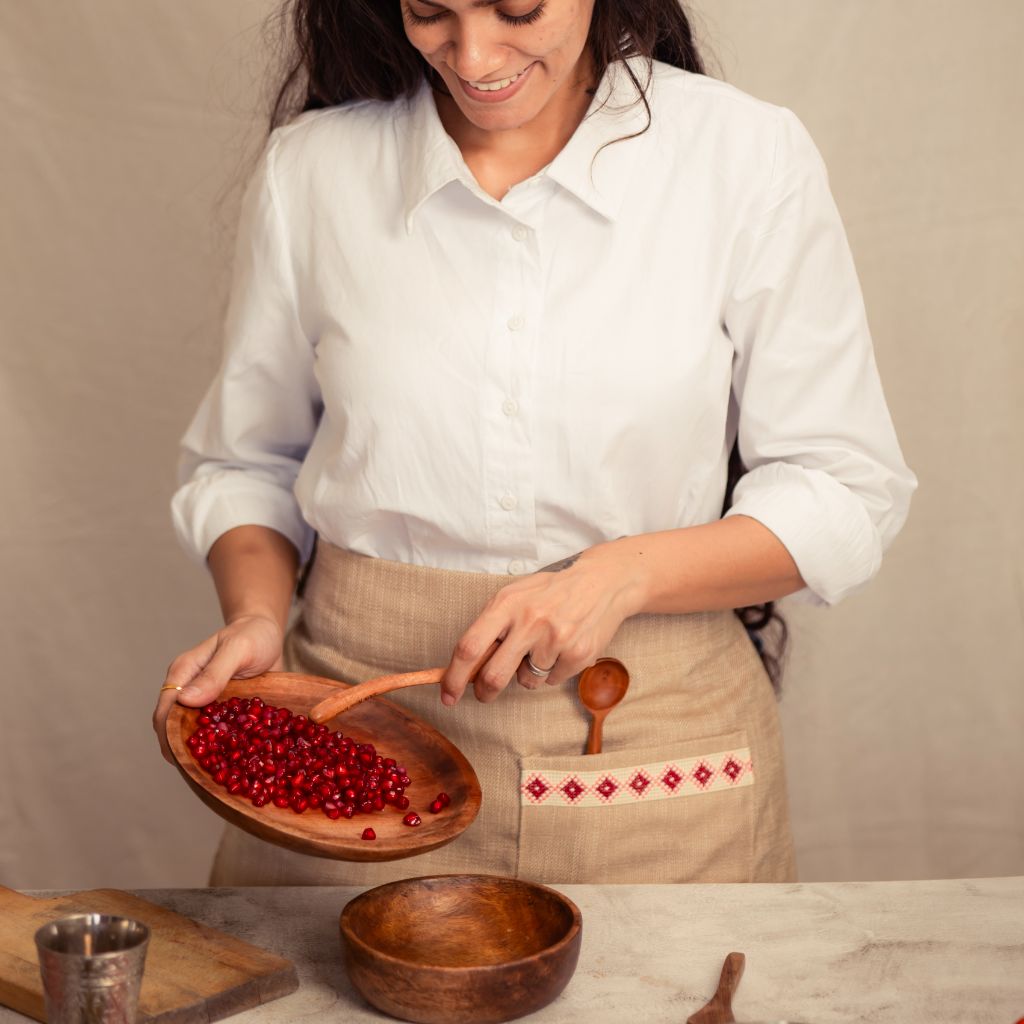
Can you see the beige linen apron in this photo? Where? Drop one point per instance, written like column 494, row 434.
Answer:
column 690, row 786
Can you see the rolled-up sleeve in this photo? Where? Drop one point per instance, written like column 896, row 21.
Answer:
column 826, row 474
column 244, row 448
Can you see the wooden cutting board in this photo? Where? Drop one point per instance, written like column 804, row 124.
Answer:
column 193, row 973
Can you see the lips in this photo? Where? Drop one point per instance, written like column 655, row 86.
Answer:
column 501, row 83
column 498, row 89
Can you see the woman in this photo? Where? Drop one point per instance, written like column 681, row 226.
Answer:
column 505, row 296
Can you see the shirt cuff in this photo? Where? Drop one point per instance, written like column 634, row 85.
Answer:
column 207, row 507
column 822, row 523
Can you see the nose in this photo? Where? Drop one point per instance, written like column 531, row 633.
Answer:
column 476, row 50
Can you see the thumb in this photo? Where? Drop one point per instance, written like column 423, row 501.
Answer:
column 208, row 684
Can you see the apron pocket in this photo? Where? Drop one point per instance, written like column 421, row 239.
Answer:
column 677, row 813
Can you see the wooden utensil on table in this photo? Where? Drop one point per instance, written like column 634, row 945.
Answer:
column 193, row 974
column 432, row 762
column 601, row 687
column 349, row 696
column 719, row 1009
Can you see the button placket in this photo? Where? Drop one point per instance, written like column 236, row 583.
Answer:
column 511, row 462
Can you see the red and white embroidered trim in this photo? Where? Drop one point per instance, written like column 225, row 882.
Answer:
column 708, row 773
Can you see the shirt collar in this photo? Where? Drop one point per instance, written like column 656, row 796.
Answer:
column 429, row 158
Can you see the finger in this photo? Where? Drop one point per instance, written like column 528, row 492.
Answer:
column 471, row 654
column 229, row 659
column 501, row 668
column 570, row 664
column 489, row 683
column 166, row 701
column 526, row 679
column 180, row 673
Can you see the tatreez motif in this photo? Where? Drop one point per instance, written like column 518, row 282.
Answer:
column 535, row 789
column 708, row 773
column 703, row 774
column 572, row 789
column 639, row 782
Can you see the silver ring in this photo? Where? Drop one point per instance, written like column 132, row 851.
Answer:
column 541, row 672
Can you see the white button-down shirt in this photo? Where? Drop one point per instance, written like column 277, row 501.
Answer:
column 421, row 373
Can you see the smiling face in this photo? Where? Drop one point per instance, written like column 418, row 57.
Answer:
column 505, row 62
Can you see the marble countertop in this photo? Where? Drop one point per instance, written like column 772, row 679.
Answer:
column 926, row 952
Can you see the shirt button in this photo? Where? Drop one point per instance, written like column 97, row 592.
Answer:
column 508, row 502
column 510, row 407
column 516, row 322
column 517, row 567
column 520, row 233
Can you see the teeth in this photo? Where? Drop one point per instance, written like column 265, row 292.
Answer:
column 495, row 86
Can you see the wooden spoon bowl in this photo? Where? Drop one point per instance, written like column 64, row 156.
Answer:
column 601, row 687
column 432, row 762
column 456, row 949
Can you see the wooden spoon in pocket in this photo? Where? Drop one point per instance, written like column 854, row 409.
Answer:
column 601, row 687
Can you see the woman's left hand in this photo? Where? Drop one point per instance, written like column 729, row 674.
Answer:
column 562, row 617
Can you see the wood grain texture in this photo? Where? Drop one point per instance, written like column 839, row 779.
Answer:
column 719, row 1009
column 601, row 687
column 347, row 697
column 338, row 702
column 193, row 973
column 431, row 761
column 460, row 949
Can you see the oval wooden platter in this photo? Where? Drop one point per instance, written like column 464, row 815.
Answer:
column 432, row 762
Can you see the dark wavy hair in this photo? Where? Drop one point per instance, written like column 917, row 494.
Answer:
column 340, row 50
column 336, row 51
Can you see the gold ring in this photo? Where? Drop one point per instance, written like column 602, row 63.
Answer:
column 170, row 686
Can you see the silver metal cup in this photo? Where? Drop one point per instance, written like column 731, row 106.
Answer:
column 92, row 968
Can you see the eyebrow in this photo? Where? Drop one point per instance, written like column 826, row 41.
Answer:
column 476, row 3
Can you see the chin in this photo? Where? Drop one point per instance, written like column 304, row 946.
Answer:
column 496, row 122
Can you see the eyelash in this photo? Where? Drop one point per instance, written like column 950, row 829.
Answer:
column 510, row 19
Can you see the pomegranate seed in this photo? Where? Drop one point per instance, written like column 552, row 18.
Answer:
column 412, row 819
column 368, row 833
column 267, row 754
column 436, row 807
column 444, row 798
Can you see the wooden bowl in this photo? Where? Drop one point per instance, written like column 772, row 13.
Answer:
column 433, row 763
column 460, row 949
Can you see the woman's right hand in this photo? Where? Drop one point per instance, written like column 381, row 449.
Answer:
column 248, row 646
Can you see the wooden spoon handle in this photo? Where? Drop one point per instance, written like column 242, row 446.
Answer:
column 351, row 695
column 719, row 1009
column 596, row 734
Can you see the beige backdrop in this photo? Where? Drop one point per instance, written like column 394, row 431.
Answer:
column 126, row 125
